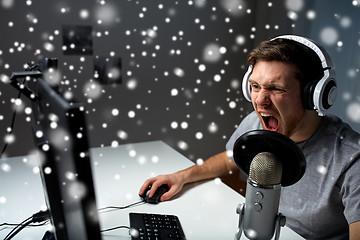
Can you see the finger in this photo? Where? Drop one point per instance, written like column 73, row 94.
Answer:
column 154, row 187
column 146, row 185
column 166, row 196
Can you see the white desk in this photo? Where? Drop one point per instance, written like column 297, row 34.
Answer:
column 206, row 210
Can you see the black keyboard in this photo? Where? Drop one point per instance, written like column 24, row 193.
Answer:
column 155, row 227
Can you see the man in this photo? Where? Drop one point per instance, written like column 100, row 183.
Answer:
column 284, row 76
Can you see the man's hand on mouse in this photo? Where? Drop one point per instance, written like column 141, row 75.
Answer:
column 174, row 181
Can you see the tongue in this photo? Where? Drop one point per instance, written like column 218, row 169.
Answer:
column 273, row 123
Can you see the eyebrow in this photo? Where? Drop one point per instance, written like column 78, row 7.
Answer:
column 270, row 85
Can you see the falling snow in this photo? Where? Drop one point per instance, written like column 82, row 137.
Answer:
column 180, row 76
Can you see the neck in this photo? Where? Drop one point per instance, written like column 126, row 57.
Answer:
column 308, row 127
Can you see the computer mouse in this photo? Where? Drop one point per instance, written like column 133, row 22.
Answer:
column 155, row 199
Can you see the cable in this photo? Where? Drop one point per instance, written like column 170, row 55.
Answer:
column 118, row 208
column 12, row 225
column 40, row 216
column 114, row 228
column 18, row 228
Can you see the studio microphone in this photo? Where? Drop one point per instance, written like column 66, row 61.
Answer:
column 260, row 212
column 272, row 161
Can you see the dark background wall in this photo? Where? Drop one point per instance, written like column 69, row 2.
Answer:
column 181, row 63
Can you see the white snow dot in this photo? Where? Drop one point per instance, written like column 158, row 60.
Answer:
column 182, row 145
column 122, row 134
column 5, row 167
column 2, row 199
column 28, row 110
column 45, row 147
column 294, row 5
column 311, row 15
column 222, row 50
column 39, row 134
column 179, row 72
column 174, row 92
column 70, row 176
column 155, row 159
column 329, row 36
column 184, row 125
column 131, row 114
column 240, row 40
column 217, row 78
column 115, row 112
column 36, row 170
column 345, row 22
column 199, row 161
column 114, row 144
column 353, row 112
column 84, row 14
column 322, row 169
column 47, row 170
column 213, row 127
column 132, row 153
column 232, row 104
column 174, row 125
column 142, row 160
column 199, row 135
column 202, row 67
column 217, row 181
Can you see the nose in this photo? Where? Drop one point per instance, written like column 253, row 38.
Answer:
column 261, row 98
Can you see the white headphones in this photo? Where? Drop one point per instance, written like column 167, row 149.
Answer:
column 322, row 93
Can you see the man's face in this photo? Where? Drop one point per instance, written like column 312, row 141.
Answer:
column 276, row 97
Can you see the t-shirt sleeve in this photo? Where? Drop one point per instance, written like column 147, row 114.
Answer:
column 350, row 190
column 250, row 122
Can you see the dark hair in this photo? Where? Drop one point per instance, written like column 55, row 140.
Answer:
column 307, row 62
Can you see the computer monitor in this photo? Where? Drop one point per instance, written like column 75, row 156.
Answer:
column 60, row 133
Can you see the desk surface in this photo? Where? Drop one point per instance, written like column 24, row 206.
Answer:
column 206, row 210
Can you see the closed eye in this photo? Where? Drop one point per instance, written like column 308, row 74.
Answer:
column 278, row 90
column 254, row 86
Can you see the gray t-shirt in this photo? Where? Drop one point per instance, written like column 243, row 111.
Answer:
column 326, row 199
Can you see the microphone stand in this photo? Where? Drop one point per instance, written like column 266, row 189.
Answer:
column 280, row 222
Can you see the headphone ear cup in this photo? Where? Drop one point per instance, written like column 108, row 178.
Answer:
column 307, row 96
column 246, row 88
column 325, row 97
column 329, row 94
column 325, row 91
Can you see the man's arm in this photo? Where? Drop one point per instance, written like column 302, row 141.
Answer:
column 216, row 166
column 354, row 230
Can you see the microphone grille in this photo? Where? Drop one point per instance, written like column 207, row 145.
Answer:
column 265, row 169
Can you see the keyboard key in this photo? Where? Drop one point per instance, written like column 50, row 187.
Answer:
column 156, row 227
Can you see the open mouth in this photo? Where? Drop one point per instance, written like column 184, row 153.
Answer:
column 271, row 123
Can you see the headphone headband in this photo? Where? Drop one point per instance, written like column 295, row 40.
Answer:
column 324, row 57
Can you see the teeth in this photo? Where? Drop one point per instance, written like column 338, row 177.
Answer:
column 265, row 115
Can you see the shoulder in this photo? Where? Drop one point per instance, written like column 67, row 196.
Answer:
column 335, row 141
column 340, row 133
column 250, row 122
column 251, row 118
column 336, row 146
